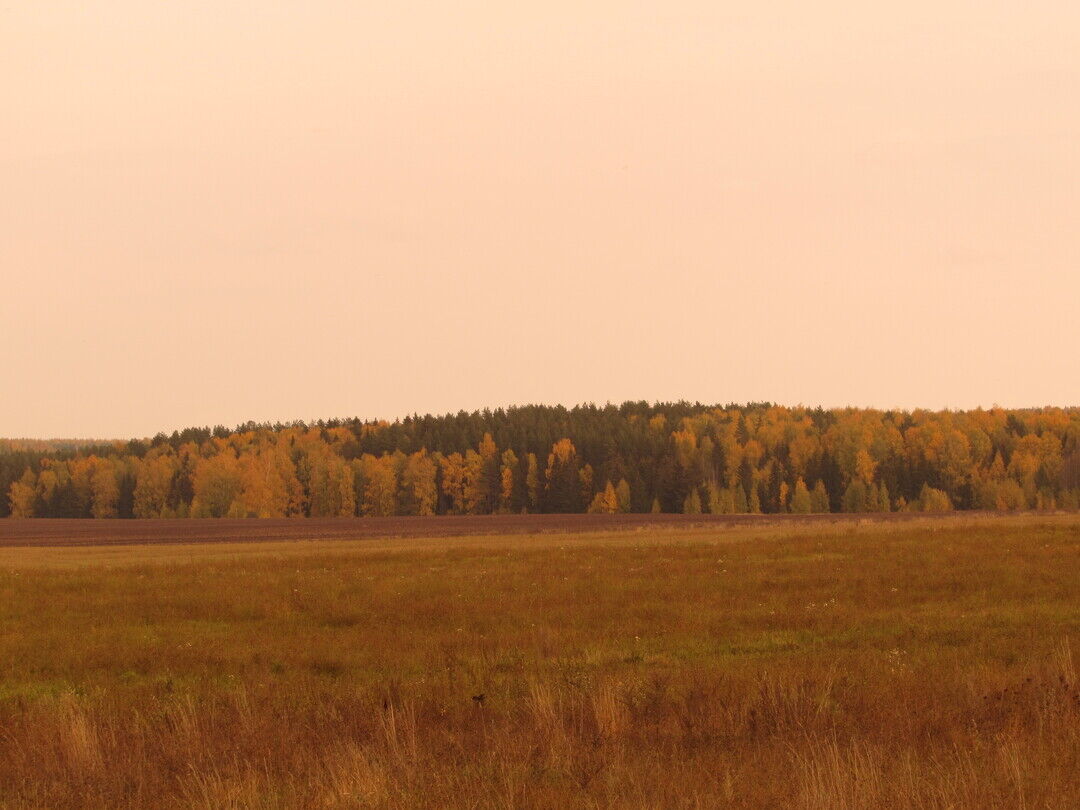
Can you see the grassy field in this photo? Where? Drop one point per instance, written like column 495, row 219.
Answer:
column 919, row 664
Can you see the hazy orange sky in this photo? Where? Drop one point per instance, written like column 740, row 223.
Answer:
column 221, row 211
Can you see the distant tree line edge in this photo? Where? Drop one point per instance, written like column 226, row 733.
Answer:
column 635, row 457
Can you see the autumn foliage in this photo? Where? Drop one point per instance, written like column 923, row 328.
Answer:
column 631, row 458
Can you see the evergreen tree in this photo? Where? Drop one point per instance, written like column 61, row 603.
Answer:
column 742, row 506
column 692, row 503
column 532, row 482
column 884, row 503
column 605, row 502
column 801, row 502
column 855, row 496
column 755, row 501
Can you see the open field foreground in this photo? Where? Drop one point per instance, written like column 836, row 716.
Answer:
column 923, row 663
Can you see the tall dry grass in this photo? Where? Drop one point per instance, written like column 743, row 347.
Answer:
column 866, row 667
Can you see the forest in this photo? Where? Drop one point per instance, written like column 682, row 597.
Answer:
column 635, row 457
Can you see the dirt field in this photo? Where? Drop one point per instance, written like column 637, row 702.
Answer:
column 822, row 665
column 43, row 532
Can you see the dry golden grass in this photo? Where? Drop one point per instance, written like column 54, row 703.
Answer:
column 851, row 666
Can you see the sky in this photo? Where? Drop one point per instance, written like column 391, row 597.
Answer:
column 215, row 211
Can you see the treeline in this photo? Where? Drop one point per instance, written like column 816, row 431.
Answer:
column 44, row 445
column 637, row 457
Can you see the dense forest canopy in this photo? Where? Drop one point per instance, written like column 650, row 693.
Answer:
column 635, row 457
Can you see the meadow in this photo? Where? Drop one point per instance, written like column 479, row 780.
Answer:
column 927, row 663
